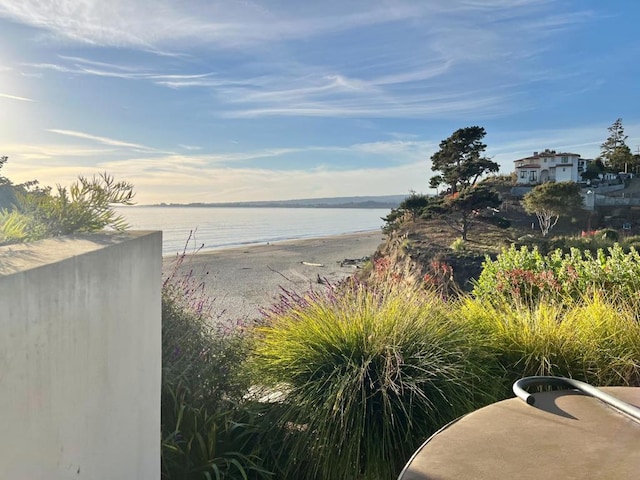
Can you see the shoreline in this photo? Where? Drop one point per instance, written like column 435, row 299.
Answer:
column 283, row 241
column 244, row 279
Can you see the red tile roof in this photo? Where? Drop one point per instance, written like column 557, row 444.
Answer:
column 549, row 154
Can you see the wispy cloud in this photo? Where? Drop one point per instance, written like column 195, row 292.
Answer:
column 150, row 24
column 485, row 106
column 81, row 66
column 414, row 58
column 201, row 159
column 104, row 140
column 106, row 65
column 401, row 153
column 15, row 97
column 51, row 151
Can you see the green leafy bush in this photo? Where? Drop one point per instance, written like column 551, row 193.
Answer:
column 591, row 241
column 365, row 377
column 523, row 274
column 410, row 207
column 202, row 359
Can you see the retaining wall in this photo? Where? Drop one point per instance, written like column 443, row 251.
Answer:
column 80, row 358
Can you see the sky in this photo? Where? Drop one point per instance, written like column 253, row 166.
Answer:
column 234, row 100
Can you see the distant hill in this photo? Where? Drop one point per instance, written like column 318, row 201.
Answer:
column 383, row 201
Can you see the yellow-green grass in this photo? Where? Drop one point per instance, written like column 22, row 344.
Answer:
column 367, row 376
column 595, row 338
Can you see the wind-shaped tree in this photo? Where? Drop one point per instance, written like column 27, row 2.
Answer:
column 461, row 163
column 461, row 160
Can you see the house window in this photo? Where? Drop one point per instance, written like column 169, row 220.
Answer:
column 564, row 169
column 545, row 160
column 533, row 176
column 523, row 174
column 565, row 159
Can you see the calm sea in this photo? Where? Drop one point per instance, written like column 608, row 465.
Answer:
column 217, row 228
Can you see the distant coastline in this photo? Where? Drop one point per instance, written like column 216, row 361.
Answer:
column 385, row 201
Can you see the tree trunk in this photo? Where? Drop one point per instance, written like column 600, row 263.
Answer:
column 465, row 226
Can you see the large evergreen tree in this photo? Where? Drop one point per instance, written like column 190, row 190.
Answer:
column 461, row 159
column 461, row 163
column 614, row 152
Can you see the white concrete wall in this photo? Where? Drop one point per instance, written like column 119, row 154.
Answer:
column 80, row 358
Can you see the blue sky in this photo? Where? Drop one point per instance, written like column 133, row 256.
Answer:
column 204, row 100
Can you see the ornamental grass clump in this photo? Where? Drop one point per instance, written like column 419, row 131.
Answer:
column 595, row 339
column 364, row 377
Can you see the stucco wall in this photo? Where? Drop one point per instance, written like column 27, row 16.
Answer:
column 567, row 173
column 80, row 358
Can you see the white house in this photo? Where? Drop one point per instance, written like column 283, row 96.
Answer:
column 550, row 166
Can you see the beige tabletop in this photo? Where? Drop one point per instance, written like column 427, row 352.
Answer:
column 566, row 435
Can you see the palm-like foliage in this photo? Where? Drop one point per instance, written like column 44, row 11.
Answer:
column 86, row 206
column 29, row 212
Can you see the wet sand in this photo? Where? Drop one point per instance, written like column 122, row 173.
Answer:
column 242, row 280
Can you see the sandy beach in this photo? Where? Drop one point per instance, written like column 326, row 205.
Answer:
column 242, row 280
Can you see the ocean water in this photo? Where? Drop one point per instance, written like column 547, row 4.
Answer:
column 215, row 227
